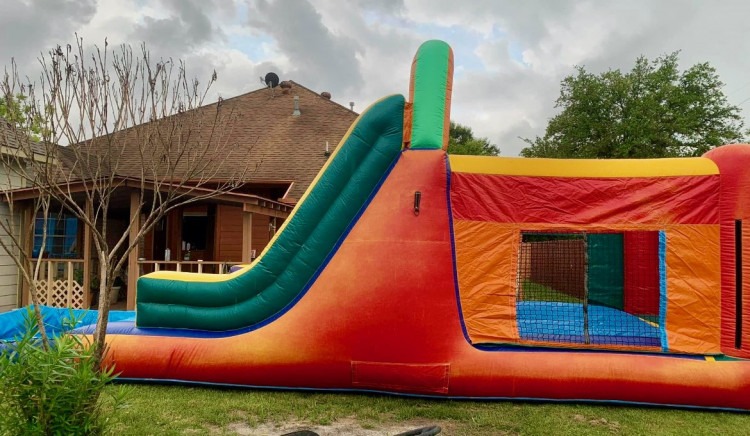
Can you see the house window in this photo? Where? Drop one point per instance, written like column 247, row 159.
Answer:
column 62, row 237
column 589, row 288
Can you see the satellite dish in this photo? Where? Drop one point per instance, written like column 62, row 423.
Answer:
column 272, row 80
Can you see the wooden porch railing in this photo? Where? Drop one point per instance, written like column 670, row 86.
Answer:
column 60, row 283
column 198, row 266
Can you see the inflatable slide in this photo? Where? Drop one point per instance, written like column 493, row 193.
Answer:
column 405, row 270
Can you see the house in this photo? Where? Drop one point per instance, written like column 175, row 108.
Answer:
column 8, row 180
column 286, row 136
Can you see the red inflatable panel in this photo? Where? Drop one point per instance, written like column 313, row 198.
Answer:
column 641, row 270
column 522, row 199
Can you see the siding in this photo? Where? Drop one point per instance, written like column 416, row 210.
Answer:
column 229, row 233
column 8, row 270
column 261, row 235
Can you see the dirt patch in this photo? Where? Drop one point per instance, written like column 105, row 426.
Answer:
column 598, row 422
column 341, row 427
column 603, row 422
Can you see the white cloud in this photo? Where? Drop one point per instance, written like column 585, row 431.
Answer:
column 510, row 56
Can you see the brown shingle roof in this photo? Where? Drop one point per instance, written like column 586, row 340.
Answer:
column 277, row 146
column 11, row 138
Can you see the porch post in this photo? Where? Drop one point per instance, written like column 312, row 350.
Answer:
column 135, row 224
column 247, row 236
column 87, row 258
column 26, row 229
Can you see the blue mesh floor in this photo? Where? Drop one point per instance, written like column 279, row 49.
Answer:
column 563, row 322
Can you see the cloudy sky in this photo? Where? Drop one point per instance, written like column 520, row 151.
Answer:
column 510, row 55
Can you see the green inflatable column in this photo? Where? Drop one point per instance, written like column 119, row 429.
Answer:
column 430, row 95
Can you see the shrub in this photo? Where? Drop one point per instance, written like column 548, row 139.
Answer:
column 55, row 390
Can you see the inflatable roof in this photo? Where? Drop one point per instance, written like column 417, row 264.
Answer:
column 405, row 270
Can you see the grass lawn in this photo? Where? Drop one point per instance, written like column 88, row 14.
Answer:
column 179, row 410
column 537, row 292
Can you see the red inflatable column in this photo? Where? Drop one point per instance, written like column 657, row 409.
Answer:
column 734, row 166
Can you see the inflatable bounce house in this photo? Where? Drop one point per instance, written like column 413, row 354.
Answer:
column 405, row 270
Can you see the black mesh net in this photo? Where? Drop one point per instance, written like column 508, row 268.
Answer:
column 594, row 289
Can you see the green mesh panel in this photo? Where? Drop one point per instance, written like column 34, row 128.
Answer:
column 605, row 270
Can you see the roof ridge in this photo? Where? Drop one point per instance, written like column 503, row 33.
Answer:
column 318, row 94
column 223, row 101
column 291, row 148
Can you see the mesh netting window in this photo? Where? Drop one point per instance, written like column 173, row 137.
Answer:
column 590, row 289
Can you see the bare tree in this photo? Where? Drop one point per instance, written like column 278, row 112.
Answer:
column 112, row 121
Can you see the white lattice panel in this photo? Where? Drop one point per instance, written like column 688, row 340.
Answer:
column 76, row 296
column 62, row 294
column 41, row 291
column 59, row 297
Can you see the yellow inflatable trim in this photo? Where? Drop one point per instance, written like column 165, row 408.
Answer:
column 609, row 168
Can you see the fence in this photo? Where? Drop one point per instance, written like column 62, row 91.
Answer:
column 197, row 266
column 557, row 264
column 60, row 283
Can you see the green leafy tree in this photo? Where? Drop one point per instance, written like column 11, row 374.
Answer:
column 461, row 140
column 652, row 111
column 14, row 109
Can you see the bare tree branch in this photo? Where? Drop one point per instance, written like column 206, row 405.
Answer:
column 116, row 121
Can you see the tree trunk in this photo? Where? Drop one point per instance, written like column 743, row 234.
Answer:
column 103, row 318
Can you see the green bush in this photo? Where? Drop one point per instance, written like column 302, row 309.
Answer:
column 55, row 391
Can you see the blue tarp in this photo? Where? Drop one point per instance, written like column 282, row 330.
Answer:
column 12, row 323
